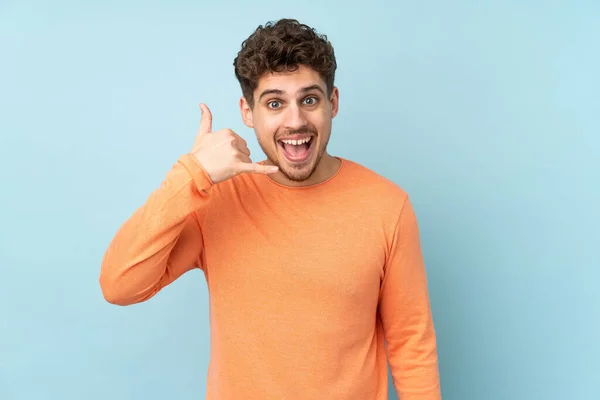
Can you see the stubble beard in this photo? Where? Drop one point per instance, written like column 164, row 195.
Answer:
column 299, row 172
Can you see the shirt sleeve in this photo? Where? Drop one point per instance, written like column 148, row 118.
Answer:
column 406, row 316
column 161, row 240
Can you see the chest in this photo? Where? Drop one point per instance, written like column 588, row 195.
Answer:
column 302, row 258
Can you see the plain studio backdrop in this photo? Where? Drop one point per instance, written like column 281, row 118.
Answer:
column 485, row 112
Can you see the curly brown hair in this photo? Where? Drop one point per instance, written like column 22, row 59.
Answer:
column 280, row 46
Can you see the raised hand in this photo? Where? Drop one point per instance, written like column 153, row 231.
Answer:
column 223, row 153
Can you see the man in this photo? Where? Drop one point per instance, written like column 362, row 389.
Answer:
column 312, row 261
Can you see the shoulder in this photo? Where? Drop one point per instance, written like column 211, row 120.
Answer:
column 381, row 200
column 376, row 187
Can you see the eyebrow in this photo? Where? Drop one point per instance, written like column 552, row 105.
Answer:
column 280, row 92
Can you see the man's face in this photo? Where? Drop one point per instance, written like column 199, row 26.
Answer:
column 292, row 120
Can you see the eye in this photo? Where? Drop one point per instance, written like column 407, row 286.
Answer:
column 311, row 101
column 274, row 104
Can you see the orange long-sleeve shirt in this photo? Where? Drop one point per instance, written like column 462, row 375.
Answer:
column 306, row 284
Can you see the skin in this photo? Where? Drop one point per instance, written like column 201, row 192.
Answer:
column 293, row 110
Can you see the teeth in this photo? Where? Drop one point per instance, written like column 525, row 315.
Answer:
column 297, row 142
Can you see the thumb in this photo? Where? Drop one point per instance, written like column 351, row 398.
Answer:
column 206, row 120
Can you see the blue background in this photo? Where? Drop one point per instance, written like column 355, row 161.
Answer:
column 485, row 112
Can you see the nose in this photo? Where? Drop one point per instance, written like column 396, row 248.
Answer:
column 295, row 118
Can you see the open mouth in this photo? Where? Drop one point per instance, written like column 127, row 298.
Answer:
column 297, row 151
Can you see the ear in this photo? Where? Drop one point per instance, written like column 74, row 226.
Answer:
column 246, row 112
column 335, row 101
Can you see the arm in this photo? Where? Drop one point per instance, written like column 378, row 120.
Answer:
column 161, row 240
column 406, row 315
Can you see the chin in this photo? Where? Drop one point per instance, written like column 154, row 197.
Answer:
column 295, row 173
column 297, row 162
column 297, row 155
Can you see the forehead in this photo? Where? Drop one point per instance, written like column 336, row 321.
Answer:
column 290, row 82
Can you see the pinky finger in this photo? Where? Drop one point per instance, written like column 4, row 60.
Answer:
column 259, row 168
